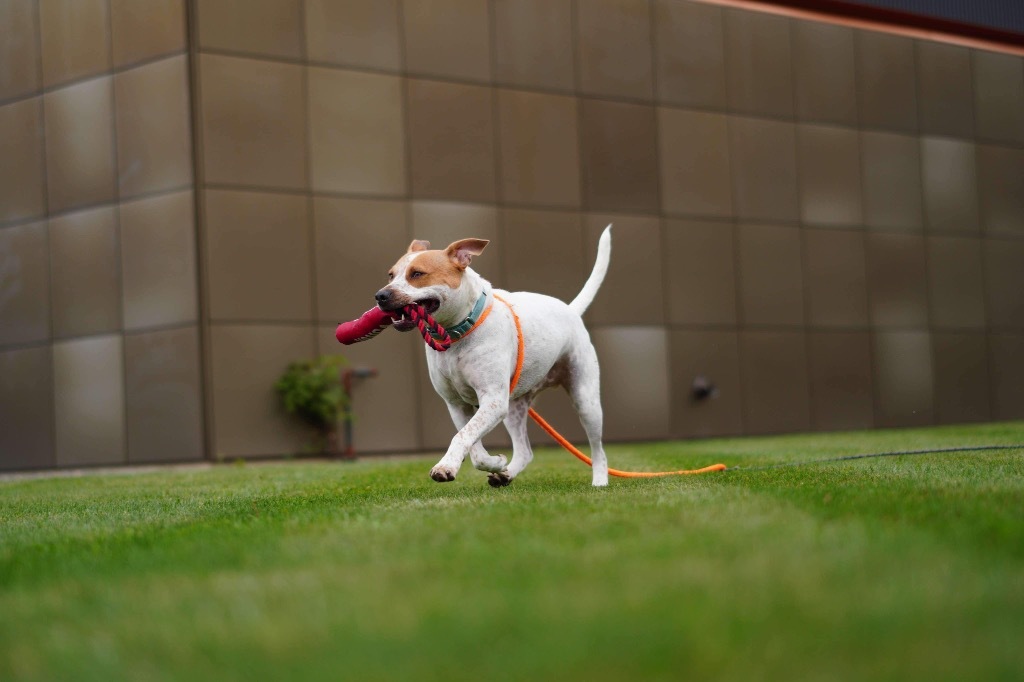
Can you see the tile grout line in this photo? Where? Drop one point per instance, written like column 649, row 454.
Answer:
column 202, row 275
column 314, row 298
column 46, row 228
column 116, row 211
column 735, row 232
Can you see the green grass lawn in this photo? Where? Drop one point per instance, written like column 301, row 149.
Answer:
column 899, row 568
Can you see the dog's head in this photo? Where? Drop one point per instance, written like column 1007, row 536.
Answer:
column 428, row 277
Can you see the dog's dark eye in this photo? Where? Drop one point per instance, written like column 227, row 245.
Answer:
column 391, row 276
column 415, row 274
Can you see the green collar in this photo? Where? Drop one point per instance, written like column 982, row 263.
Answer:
column 459, row 330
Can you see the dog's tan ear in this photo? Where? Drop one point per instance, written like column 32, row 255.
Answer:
column 462, row 251
column 418, row 245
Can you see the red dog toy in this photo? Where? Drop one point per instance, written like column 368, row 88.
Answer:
column 369, row 324
column 375, row 320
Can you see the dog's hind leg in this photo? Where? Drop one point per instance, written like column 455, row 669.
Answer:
column 522, row 452
column 584, row 388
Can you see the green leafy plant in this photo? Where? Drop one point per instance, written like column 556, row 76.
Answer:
column 313, row 390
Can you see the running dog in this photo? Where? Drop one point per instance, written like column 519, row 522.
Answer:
column 474, row 376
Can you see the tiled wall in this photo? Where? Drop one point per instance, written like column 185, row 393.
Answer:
column 826, row 222
column 99, row 339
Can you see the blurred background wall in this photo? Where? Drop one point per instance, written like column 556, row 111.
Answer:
column 825, row 221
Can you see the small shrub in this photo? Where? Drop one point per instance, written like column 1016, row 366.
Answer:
column 312, row 389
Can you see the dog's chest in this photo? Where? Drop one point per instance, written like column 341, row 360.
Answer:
column 461, row 375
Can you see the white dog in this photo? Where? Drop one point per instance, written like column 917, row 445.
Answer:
column 474, row 375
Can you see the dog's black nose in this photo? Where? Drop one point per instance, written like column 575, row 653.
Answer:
column 382, row 296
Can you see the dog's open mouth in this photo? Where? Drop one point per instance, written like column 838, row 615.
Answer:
column 405, row 323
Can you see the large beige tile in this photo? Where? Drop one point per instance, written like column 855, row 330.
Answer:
column 263, row 27
column 950, row 185
column 956, row 291
column 357, row 240
column 80, row 145
column 356, row 133
column 543, row 252
column 1001, row 189
column 258, row 257
column 764, row 170
column 903, row 378
column 893, row 195
column 158, row 261
column 759, row 54
column 449, row 38
column 962, row 392
column 19, row 49
column 633, row 291
column 897, row 280
column 249, row 415
column 384, row 406
column 829, row 162
column 946, row 89
column 22, row 180
column 24, row 284
column 451, row 141
column 614, row 48
column 74, row 39
column 154, row 137
column 363, row 33
column 1004, row 282
column 163, row 394
column 887, row 81
column 690, row 54
column 143, row 29
column 533, row 45
column 825, row 71
column 634, row 382
column 835, row 278
column 999, row 96
column 26, row 400
column 840, row 370
column 540, row 157
column 619, row 156
column 770, row 275
column 85, row 275
column 1006, row 355
column 89, row 409
column 712, row 356
column 694, row 157
column 700, row 268
column 444, row 222
column 776, row 388
column 253, row 122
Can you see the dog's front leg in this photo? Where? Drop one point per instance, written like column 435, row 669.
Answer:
column 484, row 461
column 492, row 410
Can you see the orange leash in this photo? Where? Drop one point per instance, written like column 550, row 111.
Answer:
column 521, row 352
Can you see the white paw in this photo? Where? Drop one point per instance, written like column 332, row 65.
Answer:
column 492, row 463
column 442, row 474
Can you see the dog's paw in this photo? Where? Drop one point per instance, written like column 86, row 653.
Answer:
column 442, row 474
column 492, row 463
column 499, row 479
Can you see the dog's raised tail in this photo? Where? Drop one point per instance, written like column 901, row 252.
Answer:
column 589, row 291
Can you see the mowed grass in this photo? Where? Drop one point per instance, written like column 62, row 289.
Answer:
column 901, row 568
